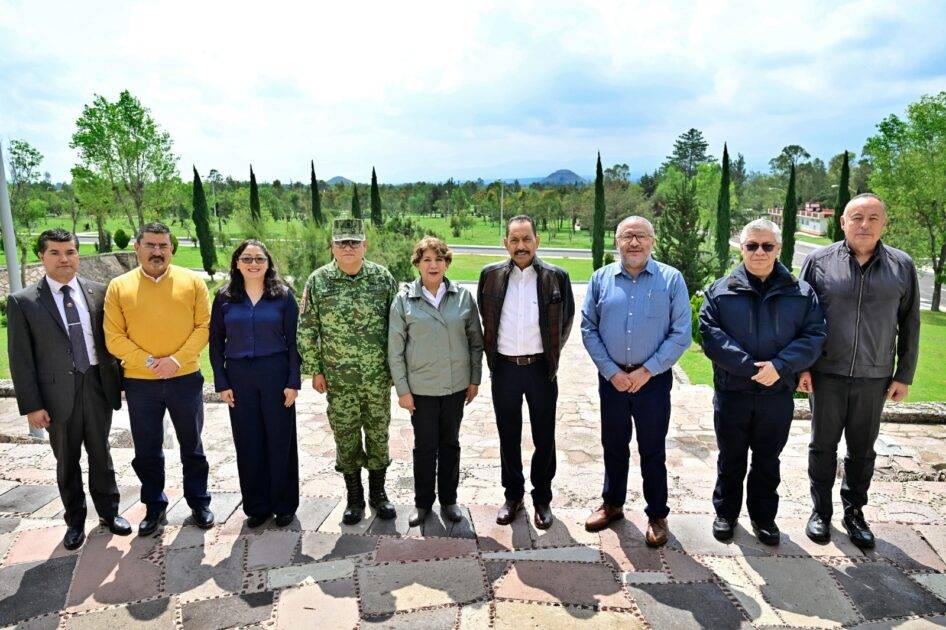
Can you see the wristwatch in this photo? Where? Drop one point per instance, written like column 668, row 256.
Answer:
column 149, row 361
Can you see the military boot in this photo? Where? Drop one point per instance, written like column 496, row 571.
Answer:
column 377, row 497
column 355, row 504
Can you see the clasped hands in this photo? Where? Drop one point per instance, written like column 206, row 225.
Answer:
column 407, row 400
column 631, row 381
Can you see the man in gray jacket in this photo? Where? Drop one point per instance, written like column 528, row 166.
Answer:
column 870, row 296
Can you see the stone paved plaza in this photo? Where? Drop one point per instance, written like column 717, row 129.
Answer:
column 318, row 573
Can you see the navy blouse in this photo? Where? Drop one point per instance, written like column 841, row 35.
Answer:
column 240, row 330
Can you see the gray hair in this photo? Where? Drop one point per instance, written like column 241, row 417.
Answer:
column 650, row 226
column 858, row 198
column 760, row 225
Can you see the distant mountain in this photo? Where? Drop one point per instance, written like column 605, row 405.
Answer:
column 338, row 179
column 563, row 177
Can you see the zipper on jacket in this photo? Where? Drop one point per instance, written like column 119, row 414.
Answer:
column 857, row 321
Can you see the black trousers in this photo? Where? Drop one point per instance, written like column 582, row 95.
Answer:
column 852, row 406
column 649, row 408
column 510, row 382
column 745, row 421
column 90, row 423
column 436, row 421
column 264, row 433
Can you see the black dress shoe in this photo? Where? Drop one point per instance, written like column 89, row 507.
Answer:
column 768, row 533
column 857, row 529
column 116, row 524
column 149, row 524
column 284, row 519
column 74, row 538
column 418, row 516
column 203, row 517
column 507, row 512
column 543, row 515
column 452, row 512
column 818, row 528
column 723, row 528
column 256, row 521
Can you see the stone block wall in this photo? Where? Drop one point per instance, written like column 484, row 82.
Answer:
column 101, row 268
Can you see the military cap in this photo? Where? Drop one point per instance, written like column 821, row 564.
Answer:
column 348, row 230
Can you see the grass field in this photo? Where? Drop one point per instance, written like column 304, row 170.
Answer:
column 186, row 256
column 482, row 233
column 814, row 240
column 466, row 267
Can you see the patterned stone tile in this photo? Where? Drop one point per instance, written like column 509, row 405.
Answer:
column 902, row 545
column 582, row 584
column 177, row 537
column 684, row 606
column 935, row 536
column 333, row 522
column 393, row 587
column 156, row 614
column 684, row 568
column 309, row 573
column 627, row 552
column 492, row 536
column 529, row 616
column 271, row 548
column 397, row 526
column 934, row 582
column 560, row 554
column 326, row 605
column 38, row 544
column 881, row 590
column 694, row 533
column 474, row 616
column 734, row 573
column 405, row 549
column 318, row 546
column 435, row 619
column 228, row 612
column 645, row 577
column 27, row 498
column 568, row 529
column 215, row 569
column 34, row 588
column 796, row 543
column 114, row 570
column 312, row 511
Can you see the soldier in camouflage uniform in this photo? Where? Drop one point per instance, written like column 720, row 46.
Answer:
column 343, row 340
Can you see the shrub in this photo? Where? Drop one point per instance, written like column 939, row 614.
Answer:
column 696, row 301
column 608, row 258
column 173, row 244
column 121, row 238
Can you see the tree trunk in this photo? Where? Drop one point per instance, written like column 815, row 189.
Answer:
column 24, row 249
column 104, row 240
column 937, row 287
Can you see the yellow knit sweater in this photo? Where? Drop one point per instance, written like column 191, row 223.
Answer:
column 168, row 318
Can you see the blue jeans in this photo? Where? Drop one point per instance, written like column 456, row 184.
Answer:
column 182, row 397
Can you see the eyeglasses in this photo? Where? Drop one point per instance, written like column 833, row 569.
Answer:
column 766, row 247
column 249, row 260
column 350, row 244
column 630, row 238
column 157, row 246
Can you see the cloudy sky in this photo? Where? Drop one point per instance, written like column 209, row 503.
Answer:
column 494, row 89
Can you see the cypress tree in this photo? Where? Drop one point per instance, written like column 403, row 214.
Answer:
column 375, row 200
column 844, row 196
column 201, row 217
column 682, row 235
column 355, row 204
column 316, row 196
column 723, row 219
column 597, row 224
column 254, row 197
column 789, row 221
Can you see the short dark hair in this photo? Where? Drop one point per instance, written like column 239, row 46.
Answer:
column 521, row 217
column 57, row 235
column 155, row 227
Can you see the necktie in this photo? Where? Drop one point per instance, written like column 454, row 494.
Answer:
column 80, row 353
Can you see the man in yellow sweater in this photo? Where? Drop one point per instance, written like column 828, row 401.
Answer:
column 157, row 320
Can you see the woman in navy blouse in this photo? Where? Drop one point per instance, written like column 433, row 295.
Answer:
column 256, row 370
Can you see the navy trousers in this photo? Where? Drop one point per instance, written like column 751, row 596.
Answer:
column 264, row 433
column 745, row 421
column 509, row 384
column 649, row 408
column 183, row 398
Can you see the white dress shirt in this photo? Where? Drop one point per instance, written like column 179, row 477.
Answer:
column 81, row 306
column 519, row 333
column 434, row 300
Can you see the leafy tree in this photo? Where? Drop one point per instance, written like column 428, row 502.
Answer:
column 122, row 143
column 844, row 195
column 597, row 226
column 255, row 212
column 789, row 220
column 689, row 151
column 618, row 174
column 355, row 204
column 681, row 235
column 908, row 157
column 723, row 222
column 205, row 237
column 375, row 200
column 739, row 174
column 93, row 194
column 24, row 175
column 316, row 196
column 648, row 183
column 790, row 156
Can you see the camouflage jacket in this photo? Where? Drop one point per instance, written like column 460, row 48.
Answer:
column 343, row 328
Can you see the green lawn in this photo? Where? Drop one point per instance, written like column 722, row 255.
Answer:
column 928, row 384
column 814, row 240
column 482, row 233
column 186, row 256
column 466, row 267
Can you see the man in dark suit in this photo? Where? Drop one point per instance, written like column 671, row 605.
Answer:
column 65, row 380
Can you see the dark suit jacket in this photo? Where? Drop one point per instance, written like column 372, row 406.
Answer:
column 41, row 355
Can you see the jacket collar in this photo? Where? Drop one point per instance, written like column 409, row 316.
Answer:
column 845, row 251
column 415, row 290
column 781, row 278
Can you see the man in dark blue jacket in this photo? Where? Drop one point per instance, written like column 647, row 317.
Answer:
column 761, row 327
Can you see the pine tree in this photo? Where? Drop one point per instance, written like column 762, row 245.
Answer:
column 355, row 204
column 201, row 217
column 681, row 235
column 316, row 196
column 597, row 224
column 254, row 197
column 723, row 219
column 844, row 196
column 375, row 200
column 789, row 221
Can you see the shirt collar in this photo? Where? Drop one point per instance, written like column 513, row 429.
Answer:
column 650, row 267
column 152, row 279
column 528, row 273
column 56, row 287
column 441, row 290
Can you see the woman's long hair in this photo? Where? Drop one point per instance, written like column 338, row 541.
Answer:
column 273, row 285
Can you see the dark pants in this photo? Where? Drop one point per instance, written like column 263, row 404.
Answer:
column 649, row 408
column 510, row 382
column 745, row 421
column 264, row 433
column 436, row 421
column 90, row 423
column 852, row 406
column 182, row 397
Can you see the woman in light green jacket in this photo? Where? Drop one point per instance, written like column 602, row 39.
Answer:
column 435, row 350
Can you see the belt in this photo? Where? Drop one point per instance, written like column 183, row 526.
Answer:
column 528, row 359
column 631, row 368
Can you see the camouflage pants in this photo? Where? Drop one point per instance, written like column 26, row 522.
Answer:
column 356, row 410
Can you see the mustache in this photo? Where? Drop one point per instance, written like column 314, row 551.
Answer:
column 522, row 251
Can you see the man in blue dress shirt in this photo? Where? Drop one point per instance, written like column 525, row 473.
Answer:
column 635, row 325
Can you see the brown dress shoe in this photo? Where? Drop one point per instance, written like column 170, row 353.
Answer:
column 656, row 532
column 603, row 516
